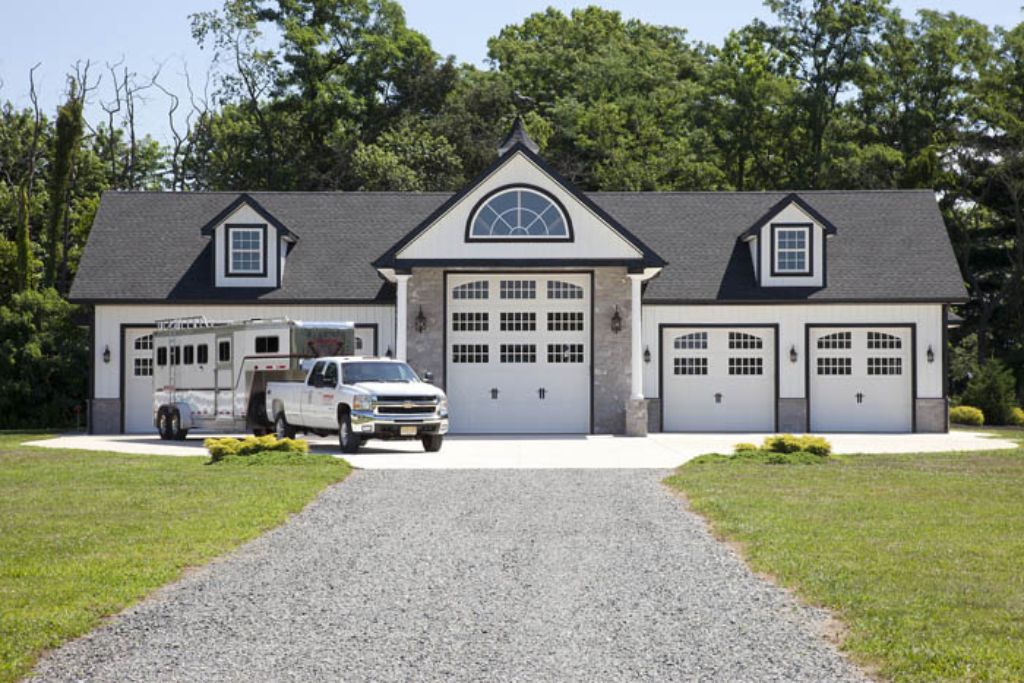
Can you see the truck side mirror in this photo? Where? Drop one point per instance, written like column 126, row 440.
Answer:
column 428, row 377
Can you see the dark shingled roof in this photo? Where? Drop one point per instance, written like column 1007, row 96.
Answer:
column 891, row 245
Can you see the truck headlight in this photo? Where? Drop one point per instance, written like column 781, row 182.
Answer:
column 364, row 402
column 442, row 406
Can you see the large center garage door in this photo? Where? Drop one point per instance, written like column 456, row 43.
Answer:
column 718, row 379
column 860, row 379
column 518, row 353
column 137, row 356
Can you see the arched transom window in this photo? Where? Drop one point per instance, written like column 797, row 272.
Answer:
column 519, row 213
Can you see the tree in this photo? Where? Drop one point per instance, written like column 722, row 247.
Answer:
column 66, row 141
column 23, row 243
column 408, row 158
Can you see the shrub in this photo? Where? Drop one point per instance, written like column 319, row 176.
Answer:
column 229, row 446
column 1017, row 417
column 275, row 458
column 992, row 390
column 742, row 447
column 787, row 443
column 967, row 415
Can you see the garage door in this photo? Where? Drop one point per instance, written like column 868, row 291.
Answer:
column 718, row 379
column 138, row 380
column 860, row 379
column 366, row 340
column 518, row 353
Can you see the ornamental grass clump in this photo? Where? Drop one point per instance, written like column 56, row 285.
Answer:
column 252, row 445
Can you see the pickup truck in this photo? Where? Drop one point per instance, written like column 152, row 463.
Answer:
column 359, row 398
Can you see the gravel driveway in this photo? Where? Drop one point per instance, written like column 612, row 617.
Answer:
column 495, row 575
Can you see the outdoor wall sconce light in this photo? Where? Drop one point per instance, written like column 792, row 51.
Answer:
column 647, row 354
column 793, row 354
column 421, row 321
column 931, row 354
column 616, row 321
column 106, row 354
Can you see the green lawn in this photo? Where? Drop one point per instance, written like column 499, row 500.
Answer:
column 84, row 534
column 921, row 555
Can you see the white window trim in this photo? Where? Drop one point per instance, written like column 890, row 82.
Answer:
column 776, row 232
column 261, row 231
column 472, row 236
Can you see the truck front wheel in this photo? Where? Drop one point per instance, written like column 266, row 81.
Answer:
column 347, row 439
column 163, row 424
column 432, row 442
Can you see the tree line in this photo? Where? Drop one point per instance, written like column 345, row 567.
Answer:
column 344, row 95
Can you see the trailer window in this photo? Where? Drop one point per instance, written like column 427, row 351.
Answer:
column 267, row 344
column 224, row 352
column 202, row 354
column 190, row 355
column 161, row 355
column 175, row 355
column 316, row 374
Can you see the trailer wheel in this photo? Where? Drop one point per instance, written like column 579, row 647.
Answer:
column 282, row 429
column 177, row 433
column 347, row 439
column 432, row 442
column 163, row 424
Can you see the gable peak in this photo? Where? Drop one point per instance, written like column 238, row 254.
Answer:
column 517, row 136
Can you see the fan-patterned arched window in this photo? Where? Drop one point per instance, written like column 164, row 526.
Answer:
column 881, row 340
column 836, row 340
column 519, row 213
column 742, row 340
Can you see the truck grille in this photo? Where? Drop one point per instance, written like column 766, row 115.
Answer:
column 402, row 399
column 405, row 410
column 406, row 405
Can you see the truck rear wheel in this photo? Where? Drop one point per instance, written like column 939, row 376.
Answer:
column 432, row 442
column 347, row 439
column 177, row 433
column 282, row 429
column 163, row 424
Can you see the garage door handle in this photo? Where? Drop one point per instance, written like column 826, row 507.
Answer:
column 542, row 393
column 494, row 393
column 718, row 397
column 860, row 397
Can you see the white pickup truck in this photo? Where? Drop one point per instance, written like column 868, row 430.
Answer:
column 360, row 398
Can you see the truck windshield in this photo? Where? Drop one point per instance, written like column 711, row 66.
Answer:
column 354, row 373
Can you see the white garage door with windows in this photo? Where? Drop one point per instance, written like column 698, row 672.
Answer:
column 137, row 356
column 518, row 353
column 718, row 379
column 860, row 379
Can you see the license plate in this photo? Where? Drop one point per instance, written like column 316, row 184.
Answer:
column 407, row 431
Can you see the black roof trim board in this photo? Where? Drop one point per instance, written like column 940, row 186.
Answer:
column 246, row 199
column 791, row 198
column 648, row 257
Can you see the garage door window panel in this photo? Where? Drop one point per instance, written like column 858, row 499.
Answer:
column 565, row 321
column 470, row 353
column 472, row 321
column 885, row 366
column 559, row 289
column 746, row 366
column 694, row 340
column 518, row 322
column 518, row 353
column 742, row 340
column 565, row 353
column 835, row 365
column 836, row 340
column 690, row 366
column 518, row 289
column 881, row 340
column 143, row 367
column 478, row 289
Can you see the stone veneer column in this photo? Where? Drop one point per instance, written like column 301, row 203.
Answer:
column 611, row 352
column 425, row 350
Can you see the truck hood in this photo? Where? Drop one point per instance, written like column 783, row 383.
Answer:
column 399, row 389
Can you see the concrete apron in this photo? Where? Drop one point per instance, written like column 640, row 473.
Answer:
column 657, row 451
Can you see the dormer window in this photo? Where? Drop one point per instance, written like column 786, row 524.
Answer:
column 791, row 249
column 247, row 250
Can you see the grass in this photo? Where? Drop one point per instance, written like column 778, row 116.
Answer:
column 921, row 555
column 85, row 534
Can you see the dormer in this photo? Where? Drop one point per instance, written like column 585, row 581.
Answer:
column 250, row 246
column 788, row 245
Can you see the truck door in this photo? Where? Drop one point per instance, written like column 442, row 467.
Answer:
column 326, row 397
column 308, row 416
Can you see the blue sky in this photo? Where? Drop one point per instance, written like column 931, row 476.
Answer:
column 151, row 32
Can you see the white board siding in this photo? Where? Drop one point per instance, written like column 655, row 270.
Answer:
column 593, row 238
column 791, row 319
column 110, row 317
